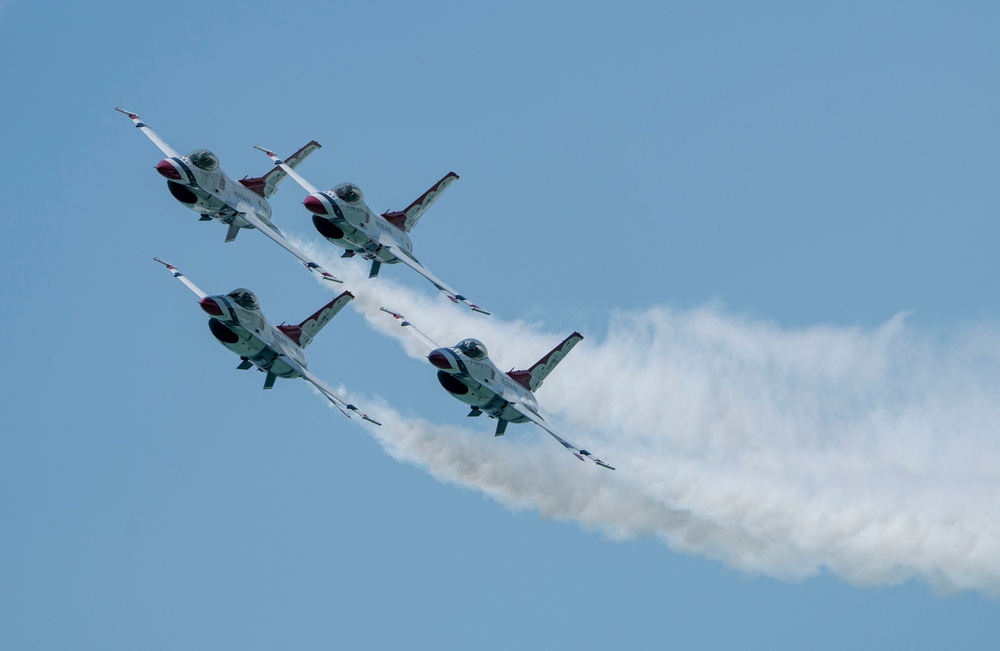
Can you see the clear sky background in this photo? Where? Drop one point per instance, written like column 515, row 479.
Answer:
column 775, row 223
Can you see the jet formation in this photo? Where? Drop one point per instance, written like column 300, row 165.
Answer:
column 340, row 215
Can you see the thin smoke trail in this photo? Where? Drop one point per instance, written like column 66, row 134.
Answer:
column 868, row 453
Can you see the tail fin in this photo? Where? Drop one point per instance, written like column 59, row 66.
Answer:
column 303, row 333
column 407, row 219
column 533, row 377
column 266, row 185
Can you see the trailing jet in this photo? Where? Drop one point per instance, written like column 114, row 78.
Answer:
column 466, row 372
column 342, row 216
column 197, row 181
column 239, row 325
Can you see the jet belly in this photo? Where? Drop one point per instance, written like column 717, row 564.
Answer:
column 238, row 339
column 466, row 389
column 489, row 402
column 195, row 198
column 340, row 233
column 495, row 381
column 235, row 193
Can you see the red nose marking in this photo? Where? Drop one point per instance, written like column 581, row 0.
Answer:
column 167, row 170
column 210, row 306
column 437, row 358
column 314, row 205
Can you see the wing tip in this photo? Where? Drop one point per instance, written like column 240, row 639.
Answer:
column 165, row 264
column 395, row 315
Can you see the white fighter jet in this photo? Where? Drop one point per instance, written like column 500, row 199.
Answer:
column 466, row 372
column 197, row 181
column 239, row 325
column 342, row 216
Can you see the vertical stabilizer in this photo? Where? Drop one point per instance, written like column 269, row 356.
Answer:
column 533, row 377
column 303, row 333
column 266, row 185
column 407, row 219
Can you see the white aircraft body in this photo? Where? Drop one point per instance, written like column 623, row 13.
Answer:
column 239, row 325
column 467, row 373
column 198, row 182
column 342, row 216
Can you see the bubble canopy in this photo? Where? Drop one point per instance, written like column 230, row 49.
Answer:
column 204, row 159
column 349, row 193
column 244, row 298
column 472, row 348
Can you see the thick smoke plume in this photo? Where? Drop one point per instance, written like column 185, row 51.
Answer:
column 871, row 454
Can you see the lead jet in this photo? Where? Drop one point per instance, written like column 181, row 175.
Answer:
column 237, row 322
column 467, row 373
column 197, row 181
column 342, row 217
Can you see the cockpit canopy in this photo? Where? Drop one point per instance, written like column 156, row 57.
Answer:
column 244, row 298
column 204, row 159
column 349, row 193
column 472, row 348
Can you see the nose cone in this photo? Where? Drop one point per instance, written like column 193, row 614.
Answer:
column 314, row 205
column 167, row 170
column 211, row 306
column 439, row 359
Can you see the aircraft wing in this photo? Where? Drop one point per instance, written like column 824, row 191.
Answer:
column 248, row 214
column 387, row 242
column 569, row 445
column 430, row 343
column 181, row 277
column 157, row 140
column 330, row 394
column 289, row 170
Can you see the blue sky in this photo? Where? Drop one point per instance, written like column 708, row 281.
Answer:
column 791, row 208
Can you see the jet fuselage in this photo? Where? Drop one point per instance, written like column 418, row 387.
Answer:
column 480, row 384
column 352, row 225
column 248, row 333
column 208, row 190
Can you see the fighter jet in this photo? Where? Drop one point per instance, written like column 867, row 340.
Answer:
column 466, row 372
column 342, row 216
column 197, row 181
column 237, row 322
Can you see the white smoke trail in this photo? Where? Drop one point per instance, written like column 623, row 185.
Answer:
column 871, row 454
